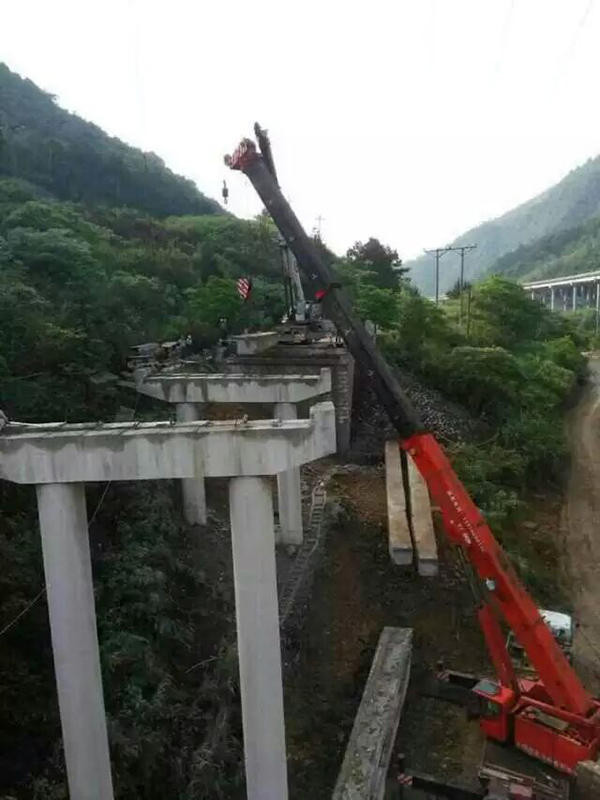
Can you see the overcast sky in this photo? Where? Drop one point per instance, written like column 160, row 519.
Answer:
column 410, row 120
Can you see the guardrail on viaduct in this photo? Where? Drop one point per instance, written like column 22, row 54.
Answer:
column 569, row 292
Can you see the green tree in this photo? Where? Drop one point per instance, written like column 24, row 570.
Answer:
column 380, row 306
column 380, row 261
column 503, row 314
column 206, row 306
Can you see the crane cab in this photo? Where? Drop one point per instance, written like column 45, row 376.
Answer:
column 496, row 703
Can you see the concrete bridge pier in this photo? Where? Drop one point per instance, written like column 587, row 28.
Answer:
column 58, row 458
column 289, row 491
column 70, row 593
column 193, row 491
column 257, row 613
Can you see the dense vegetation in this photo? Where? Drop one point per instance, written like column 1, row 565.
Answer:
column 516, row 371
column 99, row 250
column 570, row 203
column 78, row 287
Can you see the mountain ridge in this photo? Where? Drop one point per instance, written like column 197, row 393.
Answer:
column 570, row 202
column 76, row 160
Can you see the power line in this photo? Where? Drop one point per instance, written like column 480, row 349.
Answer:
column 503, row 41
column 572, row 45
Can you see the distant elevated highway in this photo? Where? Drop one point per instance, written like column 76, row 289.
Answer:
column 569, row 292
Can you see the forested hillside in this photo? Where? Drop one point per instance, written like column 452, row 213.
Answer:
column 567, row 252
column 79, row 286
column 75, row 160
column 569, row 203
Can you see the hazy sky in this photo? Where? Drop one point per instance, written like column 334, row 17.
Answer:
column 410, row 120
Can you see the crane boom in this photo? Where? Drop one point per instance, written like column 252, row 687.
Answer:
column 558, row 694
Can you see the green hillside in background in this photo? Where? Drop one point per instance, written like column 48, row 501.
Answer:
column 568, row 252
column 570, row 203
column 75, row 160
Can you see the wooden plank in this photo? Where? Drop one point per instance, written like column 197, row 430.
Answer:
column 400, row 540
column 422, row 523
column 367, row 758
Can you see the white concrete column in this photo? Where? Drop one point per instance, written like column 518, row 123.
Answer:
column 574, row 298
column 70, row 593
column 552, row 298
column 259, row 651
column 192, row 489
column 289, row 491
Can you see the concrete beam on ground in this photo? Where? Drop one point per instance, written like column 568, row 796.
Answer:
column 367, row 758
column 242, row 388
column 249, row 344
column 70, row 594
column 422, row 523
column 259, row 649
column 59, row 453
column 400, row 539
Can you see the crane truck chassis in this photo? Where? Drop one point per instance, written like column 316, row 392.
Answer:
column 551, row 717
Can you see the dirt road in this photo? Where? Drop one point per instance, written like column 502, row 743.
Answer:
column 581, row 518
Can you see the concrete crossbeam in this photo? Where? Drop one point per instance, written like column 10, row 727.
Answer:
column 422, row 523
column 400, row 539
column 367, row 758
column 259, row 650
column 158, row 450
column 70, row 594
column 223, row 388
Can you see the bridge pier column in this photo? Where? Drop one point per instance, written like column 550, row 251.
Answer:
column 574, row 290
column 259, row 650
column 70, row 593
column 192, row 489
column 289, row 490
column 552, row 298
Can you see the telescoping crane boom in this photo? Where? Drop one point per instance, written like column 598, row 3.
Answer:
column 551, row 717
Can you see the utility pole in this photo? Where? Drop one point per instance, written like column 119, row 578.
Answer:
column 468, row 312
column 438, row 253
column 317, row 228
column 462, row 277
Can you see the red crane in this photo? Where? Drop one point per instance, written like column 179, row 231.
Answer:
column 552, row 717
